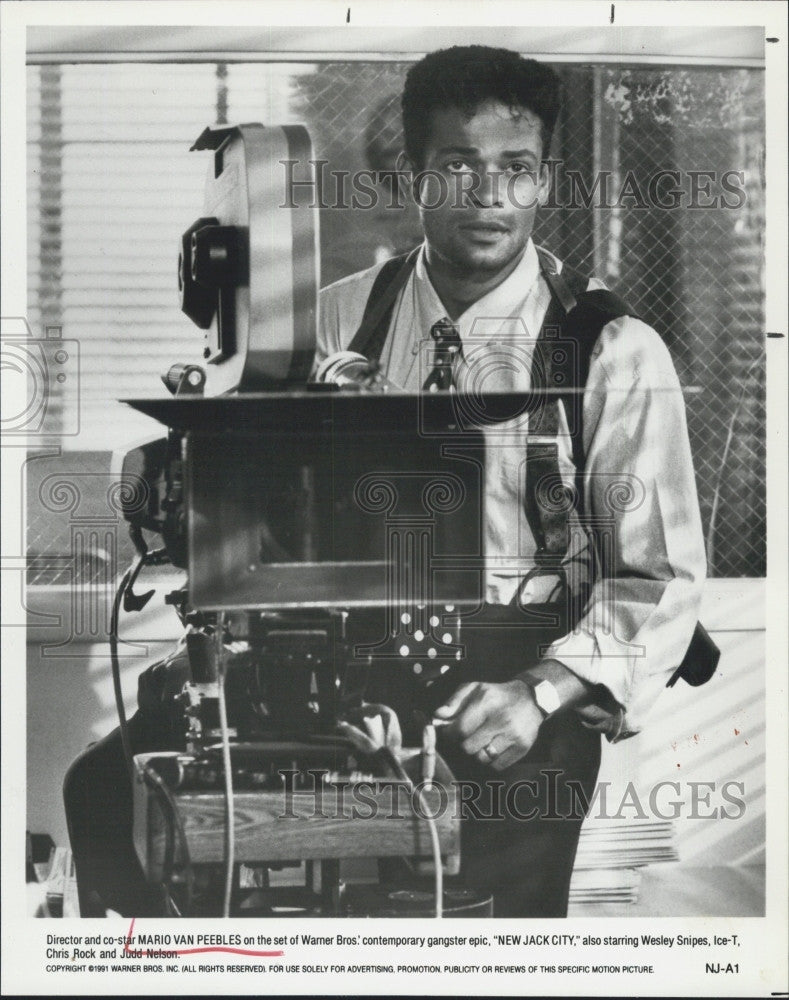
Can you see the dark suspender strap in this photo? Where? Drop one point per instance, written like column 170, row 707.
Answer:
column 562, row 290
column 544, row 505
column 581, row 330
column 371, row 336
column 572, row 324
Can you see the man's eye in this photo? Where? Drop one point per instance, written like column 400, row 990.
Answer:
column 457, row 166
column 521, row 168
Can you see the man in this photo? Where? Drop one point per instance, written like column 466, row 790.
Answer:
column 477, row 128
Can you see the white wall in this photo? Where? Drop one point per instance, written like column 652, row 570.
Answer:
column 592, row 42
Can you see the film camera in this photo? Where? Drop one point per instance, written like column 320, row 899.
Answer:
column 332, row 542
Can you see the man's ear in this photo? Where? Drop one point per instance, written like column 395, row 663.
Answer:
column 403, row 164
column 543, row 183
column 411, row 174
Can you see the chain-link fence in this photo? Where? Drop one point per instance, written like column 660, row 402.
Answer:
column 658, row 190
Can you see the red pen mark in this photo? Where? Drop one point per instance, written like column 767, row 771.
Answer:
column 736, row 732
column 153, row 952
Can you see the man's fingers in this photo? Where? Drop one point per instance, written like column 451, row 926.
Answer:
column 510, row 756
column 482, row 737
column 394, row 735
column 476, row 716
column 453, row 706
column 386, row 727
column 374, row 725
column 359, row 739
column 471, row 710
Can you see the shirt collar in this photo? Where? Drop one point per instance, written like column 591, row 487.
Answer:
column 505, row 300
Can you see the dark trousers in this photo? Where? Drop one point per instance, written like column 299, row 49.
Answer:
column 521, row 826
column 97, row 795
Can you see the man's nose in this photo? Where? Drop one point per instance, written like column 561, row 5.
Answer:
column 488, row 192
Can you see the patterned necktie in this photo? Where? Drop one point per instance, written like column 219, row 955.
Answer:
column 447, row 341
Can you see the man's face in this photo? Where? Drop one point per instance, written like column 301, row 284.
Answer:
column 484, row 179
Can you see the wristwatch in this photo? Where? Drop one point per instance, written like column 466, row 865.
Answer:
column 546, row 697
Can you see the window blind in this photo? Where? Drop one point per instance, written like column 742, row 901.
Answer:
column 111, row 188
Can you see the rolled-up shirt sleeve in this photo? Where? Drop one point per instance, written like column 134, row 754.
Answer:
column 640, row 497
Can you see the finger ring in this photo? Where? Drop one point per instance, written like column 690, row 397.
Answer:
column 491, row 751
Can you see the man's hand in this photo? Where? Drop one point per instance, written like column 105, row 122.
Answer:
column 496, row 723
column 372, row 727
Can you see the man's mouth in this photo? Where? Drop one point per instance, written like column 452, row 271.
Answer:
column 485, row 227
column 484, row 232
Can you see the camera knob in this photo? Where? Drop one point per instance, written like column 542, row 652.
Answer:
column 215, row 256
column 198, row 301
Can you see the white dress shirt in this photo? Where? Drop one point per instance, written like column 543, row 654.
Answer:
column 638, row 471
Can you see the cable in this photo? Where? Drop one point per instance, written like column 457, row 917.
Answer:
column 399, row 770
column 230, row 833
column 173, row 821
column 368, row 743
column 116, row 673
column 168, row 861
column 156, row 557
column 173, row 824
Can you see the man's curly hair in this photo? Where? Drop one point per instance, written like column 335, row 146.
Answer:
column 465, row 76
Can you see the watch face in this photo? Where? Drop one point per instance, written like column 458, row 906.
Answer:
column 547, row 698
